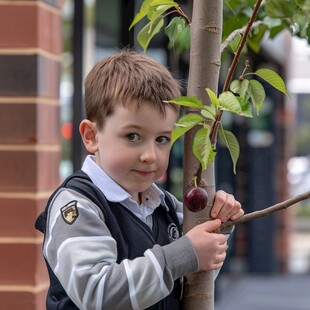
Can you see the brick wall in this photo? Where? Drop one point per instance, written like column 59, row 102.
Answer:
column 30, row 57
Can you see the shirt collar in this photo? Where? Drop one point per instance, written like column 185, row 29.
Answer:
column 114, row 192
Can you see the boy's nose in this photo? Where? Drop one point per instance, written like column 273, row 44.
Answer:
column 148, row 154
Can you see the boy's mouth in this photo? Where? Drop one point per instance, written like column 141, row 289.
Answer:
column 144, row 172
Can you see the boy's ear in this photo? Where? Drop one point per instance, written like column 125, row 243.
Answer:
column 88, row 131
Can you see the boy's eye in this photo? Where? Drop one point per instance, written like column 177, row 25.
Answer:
column 163, row 140
column 133, row 137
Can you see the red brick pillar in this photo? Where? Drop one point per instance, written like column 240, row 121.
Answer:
column 30, row 58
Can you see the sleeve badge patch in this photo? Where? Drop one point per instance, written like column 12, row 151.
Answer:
column 173, row 232
column 70, row 212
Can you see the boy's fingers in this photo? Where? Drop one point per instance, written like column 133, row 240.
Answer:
column 238, row 214
column 222, row 199
column 219, row 201
column 209, row 226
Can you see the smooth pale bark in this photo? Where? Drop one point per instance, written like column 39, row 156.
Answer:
column 206, row 34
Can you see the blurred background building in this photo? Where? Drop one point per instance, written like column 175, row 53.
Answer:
column 47, row 48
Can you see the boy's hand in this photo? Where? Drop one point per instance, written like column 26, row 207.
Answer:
column 225, row 207
column 210, row 248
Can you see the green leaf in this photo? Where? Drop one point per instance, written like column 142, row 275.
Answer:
column 149, row 31
column 211, row 157
column 258, row 94
column 175, row 27
column 235, row 43
column 164, row 2
column 182, row 42
column 229, row 102
column 241, row 88
column 280, row 9
column 185, row 101
column 184, row 124
column 156, row 11
column 300, row 21
column 153, row 9
column 256, row 36
column 244, row 88
column 246, row 107
column 271, row 22
column 212, row 97
column 202, row 147
column 275, row 31
column 142, row 13
column 235, row 86
column 208, row 112
column 273, row 79
column 232, row 144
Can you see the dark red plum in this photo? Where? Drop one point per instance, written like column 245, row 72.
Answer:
column 195, row 199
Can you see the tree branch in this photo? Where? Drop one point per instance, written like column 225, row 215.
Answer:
column 261, row 213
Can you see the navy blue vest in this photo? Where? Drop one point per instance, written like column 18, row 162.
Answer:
column 133, row 237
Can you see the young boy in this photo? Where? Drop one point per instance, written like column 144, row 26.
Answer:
column 112, row 237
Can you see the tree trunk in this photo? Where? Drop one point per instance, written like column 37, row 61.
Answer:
column 205, row 61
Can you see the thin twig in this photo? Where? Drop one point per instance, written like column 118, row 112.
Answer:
column 181, row 12
column 241, row 45
column 261, row 213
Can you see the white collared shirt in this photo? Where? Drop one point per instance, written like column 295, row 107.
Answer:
column 152, row 198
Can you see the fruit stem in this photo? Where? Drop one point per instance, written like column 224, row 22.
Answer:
column 197, row 176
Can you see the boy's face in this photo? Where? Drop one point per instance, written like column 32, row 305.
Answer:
column 133, row 146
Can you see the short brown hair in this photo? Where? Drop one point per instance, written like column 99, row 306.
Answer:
column 130, row 79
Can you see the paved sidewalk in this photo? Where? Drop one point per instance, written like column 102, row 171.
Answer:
column 291, row 292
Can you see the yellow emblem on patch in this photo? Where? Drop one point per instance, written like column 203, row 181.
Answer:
column 70, row 212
